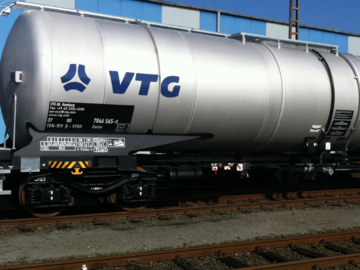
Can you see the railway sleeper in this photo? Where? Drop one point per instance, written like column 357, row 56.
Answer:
column 187, row 265
column 341, row 249
column 233, row 262
column 271, row 256
column 309, row 253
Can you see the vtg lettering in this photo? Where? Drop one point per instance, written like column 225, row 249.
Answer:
column 120, row 87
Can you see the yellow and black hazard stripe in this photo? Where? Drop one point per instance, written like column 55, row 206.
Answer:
column 69, row 164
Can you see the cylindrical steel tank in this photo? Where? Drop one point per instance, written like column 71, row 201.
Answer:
column 251, row 96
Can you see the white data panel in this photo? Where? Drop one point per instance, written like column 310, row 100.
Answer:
column 354, row 45
column 56, row 3
column 181, row 17
column 277, row 30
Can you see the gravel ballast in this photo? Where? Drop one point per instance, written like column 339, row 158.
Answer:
column 51, row 244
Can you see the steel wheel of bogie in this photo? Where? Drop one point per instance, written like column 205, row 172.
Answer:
column 131, row 206
column 41, row 212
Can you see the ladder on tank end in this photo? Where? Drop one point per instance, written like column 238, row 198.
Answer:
column 5, row 152
column 294, row 22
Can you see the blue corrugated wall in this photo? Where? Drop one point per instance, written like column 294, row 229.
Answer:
column 5, row 27
column 325, row 37
column 231, row 25
column 126, row 8
column 208, row 21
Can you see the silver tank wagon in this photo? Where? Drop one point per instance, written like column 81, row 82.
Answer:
column 91, row 92
column 90, row 75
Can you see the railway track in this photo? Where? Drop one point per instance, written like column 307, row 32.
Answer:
column 226, row 203
column 229, row 255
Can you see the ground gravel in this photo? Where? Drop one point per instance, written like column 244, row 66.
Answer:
column 48, row 243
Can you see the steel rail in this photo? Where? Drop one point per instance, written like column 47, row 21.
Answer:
column 216, row 208
column 311, row 264
column 167, row 255
column 283, row 195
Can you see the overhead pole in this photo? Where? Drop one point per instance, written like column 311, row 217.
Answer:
column 294, row 20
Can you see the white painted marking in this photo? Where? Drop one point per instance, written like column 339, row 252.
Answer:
column 328, row 146
column 228, row 168
column 315, row 128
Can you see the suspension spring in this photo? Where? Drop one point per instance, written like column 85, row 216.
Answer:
column 31, row 197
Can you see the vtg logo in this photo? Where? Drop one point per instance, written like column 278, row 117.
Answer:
column 71, row 74
column 146, row 80
column 121, row 87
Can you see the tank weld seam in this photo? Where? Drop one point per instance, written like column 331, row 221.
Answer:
column 159, row 71
column 282, row 108
column 266, row 118
column 103, row 50
column 192, row 114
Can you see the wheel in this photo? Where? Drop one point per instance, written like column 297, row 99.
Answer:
column 37, row 212
column 131, row 206
column 140, row 169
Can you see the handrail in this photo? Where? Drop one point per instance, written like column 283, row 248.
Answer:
column 6, row 9
column 14, row 123
column 242, row 35
column 253, row 37
column 14, row 105
column 26, row 6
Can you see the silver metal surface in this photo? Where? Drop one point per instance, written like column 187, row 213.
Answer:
column 346, row 89
column 129, row 48
column 173, row 115
column 249, row 95
column 354, row 142
column 30, row 164
column 305, row 102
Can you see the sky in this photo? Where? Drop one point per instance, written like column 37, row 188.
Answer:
column 334, row 14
